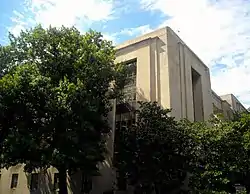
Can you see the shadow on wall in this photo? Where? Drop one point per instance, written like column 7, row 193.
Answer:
column 45, row 182
column 74, row 183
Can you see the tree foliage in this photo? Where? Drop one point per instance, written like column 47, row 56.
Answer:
column 223, row 156
column 55, row 90
column 156, row 152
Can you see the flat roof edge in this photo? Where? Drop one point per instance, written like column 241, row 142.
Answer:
column 136, row 43
column 170, row 29
column 139, row 39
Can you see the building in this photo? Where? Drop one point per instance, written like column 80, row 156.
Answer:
column 169, row 72
column 227, row 105
column 234, row 102
column 164, row 69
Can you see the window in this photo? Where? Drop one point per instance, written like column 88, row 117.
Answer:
column 125, row 116
column 131, row 73
column 14, row 181
column 129, row 94
column 131, row 69
column 86, row 184
column 56, row 181
column 130, row 87
column 125, row 120
column 34, row 182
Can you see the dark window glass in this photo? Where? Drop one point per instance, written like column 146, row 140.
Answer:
column 86, row 184
column 130, row 87
column 14, row 181
column 125, row 115
column 34, row 182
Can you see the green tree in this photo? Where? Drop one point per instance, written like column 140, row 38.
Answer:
column 242, row 126
column 55, row 94
column 156, row 152
column 218, row 157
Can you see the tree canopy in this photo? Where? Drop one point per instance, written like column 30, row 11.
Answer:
column 162, row 154
column 55, row 90
column 222, row 159
column 155, row 153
